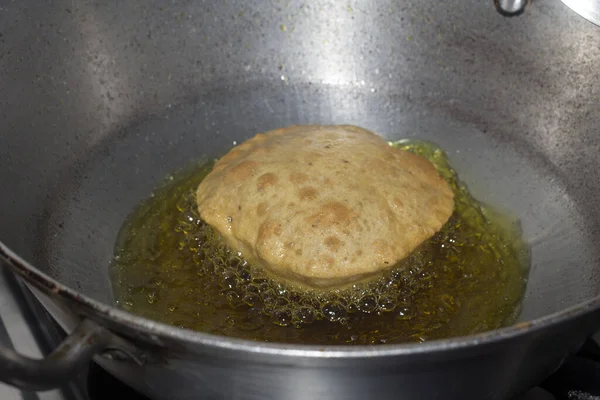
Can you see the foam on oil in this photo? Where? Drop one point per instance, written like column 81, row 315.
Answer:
column 172, row 267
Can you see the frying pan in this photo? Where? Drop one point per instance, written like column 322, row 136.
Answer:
column 102, row 100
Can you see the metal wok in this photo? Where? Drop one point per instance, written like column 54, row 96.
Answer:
column 101, row 100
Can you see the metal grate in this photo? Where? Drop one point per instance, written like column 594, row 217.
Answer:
column 26, row 327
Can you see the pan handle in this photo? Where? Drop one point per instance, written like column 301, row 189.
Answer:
column 61, row 365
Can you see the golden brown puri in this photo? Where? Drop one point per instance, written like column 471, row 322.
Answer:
column 323, row 205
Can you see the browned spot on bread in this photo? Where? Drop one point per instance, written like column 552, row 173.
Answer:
column 266, row 180
column 332, row 243
column 261, row 209
column 308, row 193
column 267, row 230
column 327, row 260
column 332, row 213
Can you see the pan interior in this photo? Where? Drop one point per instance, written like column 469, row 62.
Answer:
column 83, row 215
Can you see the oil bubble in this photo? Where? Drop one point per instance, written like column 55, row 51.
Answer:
column 304, row 315
column 250, row 299
column 282, row 317
column 367, row 304
column 334, row 311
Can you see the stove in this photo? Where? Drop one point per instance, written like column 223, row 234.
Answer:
column 26, row 327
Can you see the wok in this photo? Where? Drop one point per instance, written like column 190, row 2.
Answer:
column 102, row 100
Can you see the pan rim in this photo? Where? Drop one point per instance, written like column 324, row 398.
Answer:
column 51, row 286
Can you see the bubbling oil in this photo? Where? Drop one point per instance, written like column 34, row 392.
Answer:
column 172, row 267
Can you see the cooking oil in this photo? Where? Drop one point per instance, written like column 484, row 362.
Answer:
column 172, row 267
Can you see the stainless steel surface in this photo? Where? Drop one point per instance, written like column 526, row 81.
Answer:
column 101, row 100
column 588, row 9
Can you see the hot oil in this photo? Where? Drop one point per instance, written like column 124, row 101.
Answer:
column 171, row 267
